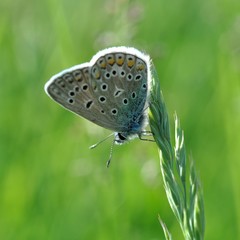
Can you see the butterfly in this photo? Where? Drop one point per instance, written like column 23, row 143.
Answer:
column 111, row 91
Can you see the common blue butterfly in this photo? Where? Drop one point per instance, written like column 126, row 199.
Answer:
column 111, row 91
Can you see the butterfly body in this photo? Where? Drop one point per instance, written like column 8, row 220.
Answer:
column 110, row 91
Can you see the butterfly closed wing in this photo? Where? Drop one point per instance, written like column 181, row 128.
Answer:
column 110, row 91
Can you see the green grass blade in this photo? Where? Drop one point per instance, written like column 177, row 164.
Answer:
column 189, row 211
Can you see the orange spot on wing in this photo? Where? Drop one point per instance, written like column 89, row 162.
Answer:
column 77, row 75
column 97, row 74
column 110, row 61
column 120, row 61
column 103, row 64
column 140, row 67
column 130, row 63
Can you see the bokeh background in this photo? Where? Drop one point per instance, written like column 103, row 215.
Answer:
column 51, row 185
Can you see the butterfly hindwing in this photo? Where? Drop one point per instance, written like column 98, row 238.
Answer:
column 120, row 80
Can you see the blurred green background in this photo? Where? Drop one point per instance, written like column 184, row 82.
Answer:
column 51, row 185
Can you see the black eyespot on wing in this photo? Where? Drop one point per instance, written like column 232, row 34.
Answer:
column 102, row 99
column 134, row 95
column 114, row 111
column 138, row 77
column 107, row 75
column 85, row 87
column 104, row 87
column 89, row 104
column 129, row 77
column 114, row 73
column 125, row 101
column 70, row 100
column 122, row 73
column 118, row 92
column 144, row 86
column 72, row 93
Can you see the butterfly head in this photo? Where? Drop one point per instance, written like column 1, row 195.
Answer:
column 133, row 129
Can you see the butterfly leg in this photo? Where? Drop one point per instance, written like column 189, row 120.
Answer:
column 146, row 133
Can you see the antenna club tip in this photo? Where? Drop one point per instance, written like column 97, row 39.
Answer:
column 108, row 163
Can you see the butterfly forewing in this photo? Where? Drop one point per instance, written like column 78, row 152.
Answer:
column 71, row 89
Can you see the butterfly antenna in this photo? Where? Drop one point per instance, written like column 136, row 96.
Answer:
column 95, row 145
column 111, row 153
